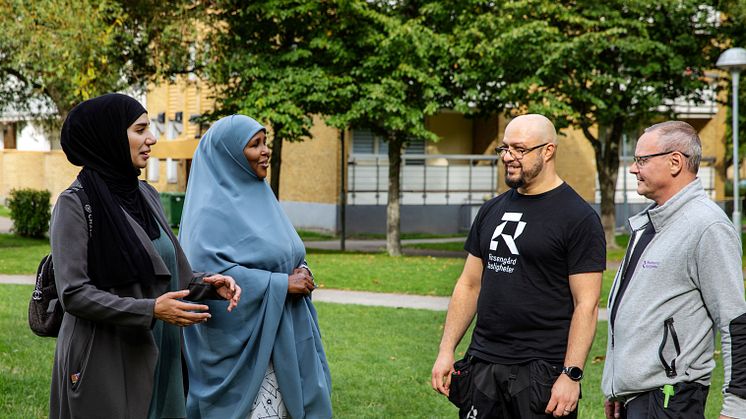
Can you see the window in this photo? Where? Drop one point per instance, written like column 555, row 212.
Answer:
column 365, row 142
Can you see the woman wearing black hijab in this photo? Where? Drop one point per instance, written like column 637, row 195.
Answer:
column 119, row 348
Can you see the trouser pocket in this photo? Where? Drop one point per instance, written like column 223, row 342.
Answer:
column 542, row 376
column 462, row 383
column 687, row 402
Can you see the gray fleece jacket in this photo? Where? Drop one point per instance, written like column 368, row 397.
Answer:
column 687, row 282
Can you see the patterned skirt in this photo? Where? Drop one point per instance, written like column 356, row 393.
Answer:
column 268, row 403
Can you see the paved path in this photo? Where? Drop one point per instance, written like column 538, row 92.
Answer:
column 5, row 225
column 423, row 302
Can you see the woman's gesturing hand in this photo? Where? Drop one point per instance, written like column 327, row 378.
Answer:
column 300, row 282
column 227, row 288
column 169, row 309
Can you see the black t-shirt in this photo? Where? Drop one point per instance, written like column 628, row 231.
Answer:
column 529, row 246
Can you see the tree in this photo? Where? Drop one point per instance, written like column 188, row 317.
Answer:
column 275, row 61
column 358, row 64
column 398, row 75
column 601, row 67
column 56, row 53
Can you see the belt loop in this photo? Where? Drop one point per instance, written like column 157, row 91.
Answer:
column 513, row 372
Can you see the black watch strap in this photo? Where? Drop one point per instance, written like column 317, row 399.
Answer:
column 575, row 373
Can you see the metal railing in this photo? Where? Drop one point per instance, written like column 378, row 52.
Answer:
column 626, row 183
column 426, row 179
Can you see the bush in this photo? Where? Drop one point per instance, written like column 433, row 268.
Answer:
column 29, row 210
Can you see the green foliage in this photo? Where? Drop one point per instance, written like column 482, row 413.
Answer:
column 608, row 65
column 56, row 53
column 29, row 210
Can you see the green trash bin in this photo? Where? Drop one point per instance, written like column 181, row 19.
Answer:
column 173, row 204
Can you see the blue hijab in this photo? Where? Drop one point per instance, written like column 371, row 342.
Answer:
column 232, row 224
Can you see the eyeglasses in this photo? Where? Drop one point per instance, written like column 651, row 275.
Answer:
column 517, row 153
column 641, row 160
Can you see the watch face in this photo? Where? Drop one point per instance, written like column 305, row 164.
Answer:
column 574, row 373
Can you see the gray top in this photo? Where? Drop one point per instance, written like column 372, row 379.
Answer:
column 688, row 282
column 106, row 354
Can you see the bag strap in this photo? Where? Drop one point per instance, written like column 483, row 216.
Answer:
column 86, row 207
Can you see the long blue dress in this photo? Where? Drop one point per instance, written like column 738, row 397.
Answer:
column 232, row 224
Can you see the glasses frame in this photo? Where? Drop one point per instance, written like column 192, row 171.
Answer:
column 517, row 155
column 640, row 161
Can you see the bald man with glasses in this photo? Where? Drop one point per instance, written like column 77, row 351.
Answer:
column 680, row 282
column 532, row 278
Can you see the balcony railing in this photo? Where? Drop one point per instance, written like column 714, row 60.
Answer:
column 426, row 179
column 464, row 179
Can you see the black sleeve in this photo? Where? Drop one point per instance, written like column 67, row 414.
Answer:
column 472, row 244
column 586, row 246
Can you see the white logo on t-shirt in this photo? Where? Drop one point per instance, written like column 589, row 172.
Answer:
column 509, row 240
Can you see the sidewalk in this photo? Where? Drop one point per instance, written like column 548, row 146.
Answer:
column 5, row 225
column 422, row 302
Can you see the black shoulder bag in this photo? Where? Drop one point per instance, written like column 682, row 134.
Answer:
column 44, row 310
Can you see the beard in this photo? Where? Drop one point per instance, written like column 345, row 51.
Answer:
column 527, row 174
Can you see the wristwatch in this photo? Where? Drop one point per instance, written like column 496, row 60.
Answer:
column 575, row 373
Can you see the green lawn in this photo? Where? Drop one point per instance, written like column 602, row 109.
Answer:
column 4, row 211
column 380, row 359
column 450, row 246
column 19, row 255
column 378, row 272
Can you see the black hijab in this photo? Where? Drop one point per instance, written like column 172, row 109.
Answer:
column 94, row 136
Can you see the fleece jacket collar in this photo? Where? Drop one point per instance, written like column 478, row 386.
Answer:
column 660, row 216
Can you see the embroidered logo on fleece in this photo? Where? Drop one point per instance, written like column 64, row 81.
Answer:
column 650, row 264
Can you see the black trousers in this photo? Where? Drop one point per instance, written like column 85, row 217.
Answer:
column 511, row 391
column 688, row 402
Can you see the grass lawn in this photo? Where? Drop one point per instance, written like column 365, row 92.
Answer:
column 377, row 272
column 4, row 211
column 20, row 255
column 380, row 359
column 450, row 246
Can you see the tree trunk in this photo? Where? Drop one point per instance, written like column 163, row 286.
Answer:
column 275, row 162
column 606, row 148
column 393, row 239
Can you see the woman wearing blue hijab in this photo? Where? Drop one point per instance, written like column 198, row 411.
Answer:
column 271, row 341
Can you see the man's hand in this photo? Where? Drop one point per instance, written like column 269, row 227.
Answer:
column 565, row 394
column 226, row 287
column 170, row 309
column 612, row 409
column 441, row 375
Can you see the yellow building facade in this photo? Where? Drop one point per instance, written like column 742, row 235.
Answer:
column 314, row 170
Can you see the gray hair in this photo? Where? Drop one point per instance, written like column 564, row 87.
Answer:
column 681, row 137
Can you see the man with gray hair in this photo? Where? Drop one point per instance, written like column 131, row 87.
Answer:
column 680, row 281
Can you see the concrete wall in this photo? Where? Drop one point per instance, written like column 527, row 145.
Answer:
column 455, row 132
column 311, row 168
column 436, row 219
column 35, row 169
